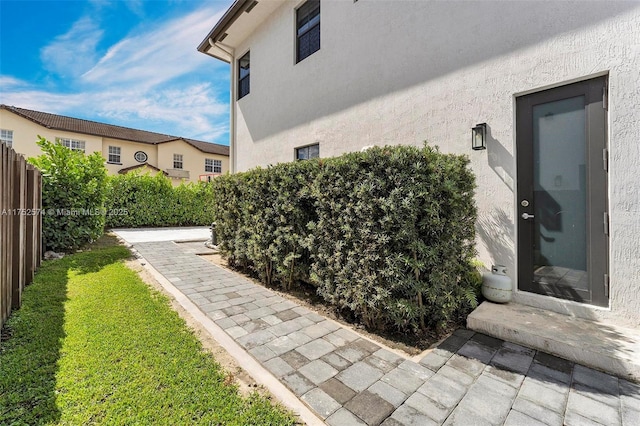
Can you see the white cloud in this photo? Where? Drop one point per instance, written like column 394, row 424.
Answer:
column 156, row 56
column 153, row 80
column 73, row 53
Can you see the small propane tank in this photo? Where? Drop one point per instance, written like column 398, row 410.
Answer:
column 496, row 286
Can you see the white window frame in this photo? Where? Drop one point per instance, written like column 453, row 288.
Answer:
column 178, row 162
column 74, row 144
column 114, row 155
column 212, row 166
column 6, row 136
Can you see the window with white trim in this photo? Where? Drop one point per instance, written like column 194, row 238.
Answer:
column 75, row 144
column 212, row 166
column 114, row 154
column 177, row 161
column 6, row 136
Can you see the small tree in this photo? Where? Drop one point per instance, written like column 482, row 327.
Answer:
column 73, row 194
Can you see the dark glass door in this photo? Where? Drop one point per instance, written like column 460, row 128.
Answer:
column 562, row 192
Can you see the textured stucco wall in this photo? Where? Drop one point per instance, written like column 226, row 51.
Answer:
column 407, row 72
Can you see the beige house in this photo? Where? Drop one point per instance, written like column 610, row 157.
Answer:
column 124, row 149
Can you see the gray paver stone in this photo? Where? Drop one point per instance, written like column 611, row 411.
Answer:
column 388, row 356
column 406, row 415
column 456, row 375
column 299, row 337
column 512, row 360
column 240, row 319
column 489, row 399
column 538, row 412
column 282, row 344
column 318, row 371
column 337, row 390
column 262, row 353
column 312, row 316
column 630, row 416
column 575, row 419
column 298, row 383
column 359, row 376
column 592, row 409
column 442, row 390
column 351, row 353
column 370, row 408
column 605, row 398
column 256, row 338
column 475, row 350
column 417, row 370
column 315, row 331
column 295, row 359
column 463, row 417
column 271, row 319
column 343, row 417
column 388, row 393
column 315, row 349
column 379, row 363
column 255, row 325
column 278, row 367
column 516, row 418
column 336, row 360
column 402, row 380
column 472, row 367
column 259, row 313
column 428, row 407
column 543, row 395
column 505, row 376
column 236, row 331
column 226, row 323
column 287, row 315
column 465, row 334
column 320, row 402
column 595, row 379
column 433, row 361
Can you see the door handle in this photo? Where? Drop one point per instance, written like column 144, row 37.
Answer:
column 526, row 216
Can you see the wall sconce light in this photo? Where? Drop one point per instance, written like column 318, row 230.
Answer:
column 479, row 137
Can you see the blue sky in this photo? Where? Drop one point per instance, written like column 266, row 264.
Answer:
column 130, row 63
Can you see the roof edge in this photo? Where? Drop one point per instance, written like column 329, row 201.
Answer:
column 229, row 17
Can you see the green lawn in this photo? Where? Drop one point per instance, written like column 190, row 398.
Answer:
column 92, row 344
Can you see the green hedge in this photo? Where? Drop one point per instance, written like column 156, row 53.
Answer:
column 73, row 194
column 136, row 200
column 387, row 233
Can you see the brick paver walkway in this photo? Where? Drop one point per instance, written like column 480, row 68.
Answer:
column 470, row 379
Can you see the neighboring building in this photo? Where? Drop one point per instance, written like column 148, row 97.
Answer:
column 557, row 84
column 124, row 149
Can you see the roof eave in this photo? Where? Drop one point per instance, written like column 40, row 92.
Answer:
column 229, row 17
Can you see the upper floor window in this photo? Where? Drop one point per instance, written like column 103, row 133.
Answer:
column 6, row 136
column 74, row 144
column 114, row 154
column 243, row 75
column 177, row 161
column 212, row 166
column 308, row 29
column 307, row 152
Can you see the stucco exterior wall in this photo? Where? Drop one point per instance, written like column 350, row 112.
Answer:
column 127, row 151
column 25, row 135
column 407, row 72
column 193, row 159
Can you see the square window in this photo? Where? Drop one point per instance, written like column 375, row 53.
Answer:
column 307, row 29
column 6, row 136
column 212, row 166
column 307, row 152
column 114, row 154
column 177, row 161
column 74, row 144
column 243, row 75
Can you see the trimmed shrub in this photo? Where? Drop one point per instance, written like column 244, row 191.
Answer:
column 387, row 234
column 135, row 200
column 73, row 194
column 394, row 236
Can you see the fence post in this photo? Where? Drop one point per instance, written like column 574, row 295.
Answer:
column 19, row 234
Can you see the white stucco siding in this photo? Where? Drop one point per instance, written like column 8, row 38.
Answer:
column 406, row 72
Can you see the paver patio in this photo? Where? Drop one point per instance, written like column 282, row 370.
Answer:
column 470, row 379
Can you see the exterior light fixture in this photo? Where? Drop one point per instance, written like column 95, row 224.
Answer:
column 479, row 137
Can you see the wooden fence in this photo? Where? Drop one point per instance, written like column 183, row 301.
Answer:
column 20, row 227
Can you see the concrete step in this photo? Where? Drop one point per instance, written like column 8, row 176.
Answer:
column 603, row 346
